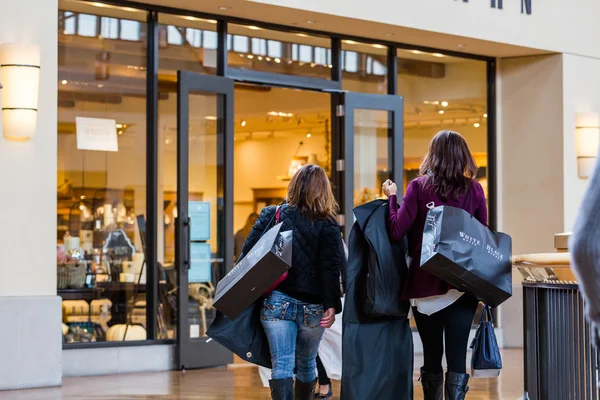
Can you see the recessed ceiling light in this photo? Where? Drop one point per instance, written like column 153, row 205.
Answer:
column 99, row 5
column 129, row 9
column 254, row 28
column 243, row 123
column 349, row 42
column 442, row 112
column 301, row 34
column 277, row 60
column 476, row 125
column 210, row 118
column 308, row 135
column 484, row 115
column 440, row 55
column 310, row 22
column 224, row 8
column 444, row 104
column 416, row 51
column 64, row 82
column 379, row 46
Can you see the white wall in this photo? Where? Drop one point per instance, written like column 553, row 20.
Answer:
column 28, row 170
column 555, row 25
column 581, row 87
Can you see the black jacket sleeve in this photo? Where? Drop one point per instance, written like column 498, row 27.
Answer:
column 263, row 222
column 333, row 260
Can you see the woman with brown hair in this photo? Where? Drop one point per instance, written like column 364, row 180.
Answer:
column 296, row 313
column 447, row 177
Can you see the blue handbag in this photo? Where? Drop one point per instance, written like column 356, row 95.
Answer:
column 486, row 361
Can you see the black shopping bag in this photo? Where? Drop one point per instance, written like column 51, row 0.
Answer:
column 460, row 250
column 264, row 264
column 486, row 361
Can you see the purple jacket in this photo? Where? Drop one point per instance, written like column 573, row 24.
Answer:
column 409, row 219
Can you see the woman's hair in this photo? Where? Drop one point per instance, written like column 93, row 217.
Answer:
column 310, row 192
column 449, row 165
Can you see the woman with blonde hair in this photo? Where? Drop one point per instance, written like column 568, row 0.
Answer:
column 296, row 313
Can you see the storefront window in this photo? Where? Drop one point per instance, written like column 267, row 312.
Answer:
column 101, row 172
column 364, row 67
column 258, row 49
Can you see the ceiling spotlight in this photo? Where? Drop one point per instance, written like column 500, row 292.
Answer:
column 243, row 123
column 250, row 56
column 254, row 28
column 441, row 111
column 484, row 115
column 308, row 135
column 476, row 125
column 379, row 46
column 310, row 22
column 224, row 8
column 444, row 104
column 439, row 55
column 277, row 60
column 64, row 82
column 349, row 42
column 260, row 58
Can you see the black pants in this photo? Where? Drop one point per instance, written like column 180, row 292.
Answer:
column 323, row 378
column 452, row 323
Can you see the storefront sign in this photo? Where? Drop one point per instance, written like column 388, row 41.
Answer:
column 200, row 268
column 199, row 220
column 525, row 5
column 96, row 134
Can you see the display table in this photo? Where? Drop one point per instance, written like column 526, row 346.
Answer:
column 559, row 360
column 86, row 294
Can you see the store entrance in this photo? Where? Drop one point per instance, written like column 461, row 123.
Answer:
column 232, row 164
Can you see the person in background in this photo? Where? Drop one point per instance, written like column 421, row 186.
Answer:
column 441, row 312
column 296, row 313
column 242, row 234
column 325, row 390
column 584, row 246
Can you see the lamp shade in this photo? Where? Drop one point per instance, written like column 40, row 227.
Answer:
column 20, row 78
column 587, row 137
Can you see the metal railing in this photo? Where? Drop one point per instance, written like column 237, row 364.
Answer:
column 560, row 362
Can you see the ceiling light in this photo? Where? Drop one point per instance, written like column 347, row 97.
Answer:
column 224, row 8
column 476, row 125
column 99, row 5
column 462, row 46
column 389, row 34
column 441, row 111
column 129, row 9
column 254, row 28
column 379, row 46
column 243, row 123
column 349, row 42
column 277, row 60
column 439, row 55
column 308, row 135
column 301, row 34
column 444, row 104
column 260, row 58
column 268, row 58
column 416, row 52
column 210, row 118
column 484, row 115
column 250, row 56
column 310, row 22
column 119, row 126
column 64, row 82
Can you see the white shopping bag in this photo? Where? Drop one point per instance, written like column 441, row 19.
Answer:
column 330, row 353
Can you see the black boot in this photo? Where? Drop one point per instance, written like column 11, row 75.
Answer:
column 456, row 386
column 282, row 389
column 433, row 385
column 304, row 391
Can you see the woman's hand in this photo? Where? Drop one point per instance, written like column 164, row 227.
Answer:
column 328, row 318
column 389, row 188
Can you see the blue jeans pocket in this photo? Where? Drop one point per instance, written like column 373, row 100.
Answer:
column 313, row 314
column 274, row 309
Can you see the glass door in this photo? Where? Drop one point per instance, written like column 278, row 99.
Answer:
column 373, row 148
column 204, row 222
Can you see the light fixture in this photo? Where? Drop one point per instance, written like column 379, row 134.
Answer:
column 310, row 22
column 260, row 58
column 20, row 75
column 309, row 135
column 119, row 126
column 416, row 51
column 210, row 118
column 243, row 123
column 441, row 111
column 587, row 136
column 476, row 125
column 250, row 56
column 301, row 34
column 484, row 115
column 277, row 60
column 444, row 104
column 224, row 8
column 350, row 42
column 379, row 46
column 64, row 82
column 439, row 55
column 254, row 28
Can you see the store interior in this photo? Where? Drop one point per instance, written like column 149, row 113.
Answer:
column 102, row 194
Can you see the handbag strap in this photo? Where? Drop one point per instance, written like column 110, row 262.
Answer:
column 486, row 314
column 278, row 215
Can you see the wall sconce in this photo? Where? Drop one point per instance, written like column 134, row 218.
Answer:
column 20, row 78
column 587, row 136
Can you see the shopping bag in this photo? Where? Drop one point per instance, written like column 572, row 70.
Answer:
column 486, row 361
column 330, row 349
column 460, row 250
column 265, row 263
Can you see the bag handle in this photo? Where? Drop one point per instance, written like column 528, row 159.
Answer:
column 486, row 315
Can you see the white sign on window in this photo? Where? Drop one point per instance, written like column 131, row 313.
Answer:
column 96, row 134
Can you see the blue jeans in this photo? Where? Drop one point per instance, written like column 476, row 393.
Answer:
column 294, row 333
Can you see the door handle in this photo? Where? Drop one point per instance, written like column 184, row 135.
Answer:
column 187, row 228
